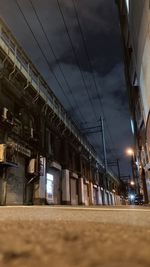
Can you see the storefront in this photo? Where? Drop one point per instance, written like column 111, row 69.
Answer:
column 106, row 197
column 13, row 162
column 111, row 199
column 102, row 195
column 15, row 183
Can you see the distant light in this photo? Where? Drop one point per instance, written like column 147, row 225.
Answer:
column 129, row 151
column 132, row 197
column 132, row 183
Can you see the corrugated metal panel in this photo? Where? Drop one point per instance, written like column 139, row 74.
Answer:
column 15, row 183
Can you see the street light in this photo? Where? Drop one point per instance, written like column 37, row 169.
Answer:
column 130, row 151
column 132, row 183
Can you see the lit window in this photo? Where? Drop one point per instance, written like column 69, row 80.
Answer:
column 49, row 187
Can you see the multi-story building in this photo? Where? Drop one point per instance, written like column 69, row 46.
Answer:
column 135, row 26
column 43, row 157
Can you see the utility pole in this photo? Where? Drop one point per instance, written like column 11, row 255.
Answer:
column 103, row 143
column 118, row 167
column 115, row 163
column 99, row 129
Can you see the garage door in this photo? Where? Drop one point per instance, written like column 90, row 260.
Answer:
column 15, row 183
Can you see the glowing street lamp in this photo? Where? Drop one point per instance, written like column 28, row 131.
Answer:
column 129, row 151
column 132, row 183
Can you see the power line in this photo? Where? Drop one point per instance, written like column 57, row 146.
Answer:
column 76, row 56
column 90, row 66
column 56, row 58
column 20, row 9
column 41, row 50
column 54, row 52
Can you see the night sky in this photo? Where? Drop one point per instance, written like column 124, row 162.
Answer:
column 76, row 46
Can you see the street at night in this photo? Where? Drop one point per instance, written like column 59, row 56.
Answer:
column 74, row 133
column 74, row 236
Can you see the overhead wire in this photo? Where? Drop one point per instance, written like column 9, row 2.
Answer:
column 77, row 61
column 41, row 50
column 91, row 69
column 56, row 58
column 43, row 54
column 76, row 57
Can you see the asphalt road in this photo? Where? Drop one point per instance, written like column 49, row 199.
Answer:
column 68, row 237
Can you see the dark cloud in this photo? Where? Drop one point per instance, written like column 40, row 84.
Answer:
column 84, row 102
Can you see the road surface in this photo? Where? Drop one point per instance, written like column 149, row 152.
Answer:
column 74, row 237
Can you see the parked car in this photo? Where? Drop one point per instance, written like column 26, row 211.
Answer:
column 138, row 200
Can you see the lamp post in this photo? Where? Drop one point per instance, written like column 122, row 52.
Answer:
column 133, row 182
column 130, row 152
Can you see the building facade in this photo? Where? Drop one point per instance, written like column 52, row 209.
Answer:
column 135, row 26
column 43, row 157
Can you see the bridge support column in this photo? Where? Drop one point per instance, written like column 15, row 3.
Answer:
column 65, row 187
column 81, row 192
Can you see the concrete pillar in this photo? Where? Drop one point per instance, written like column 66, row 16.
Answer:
column 99, row 196
column 91, row 193
column 81, row 191
column 113, row 199
column 65, row 187
column 39, row 195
